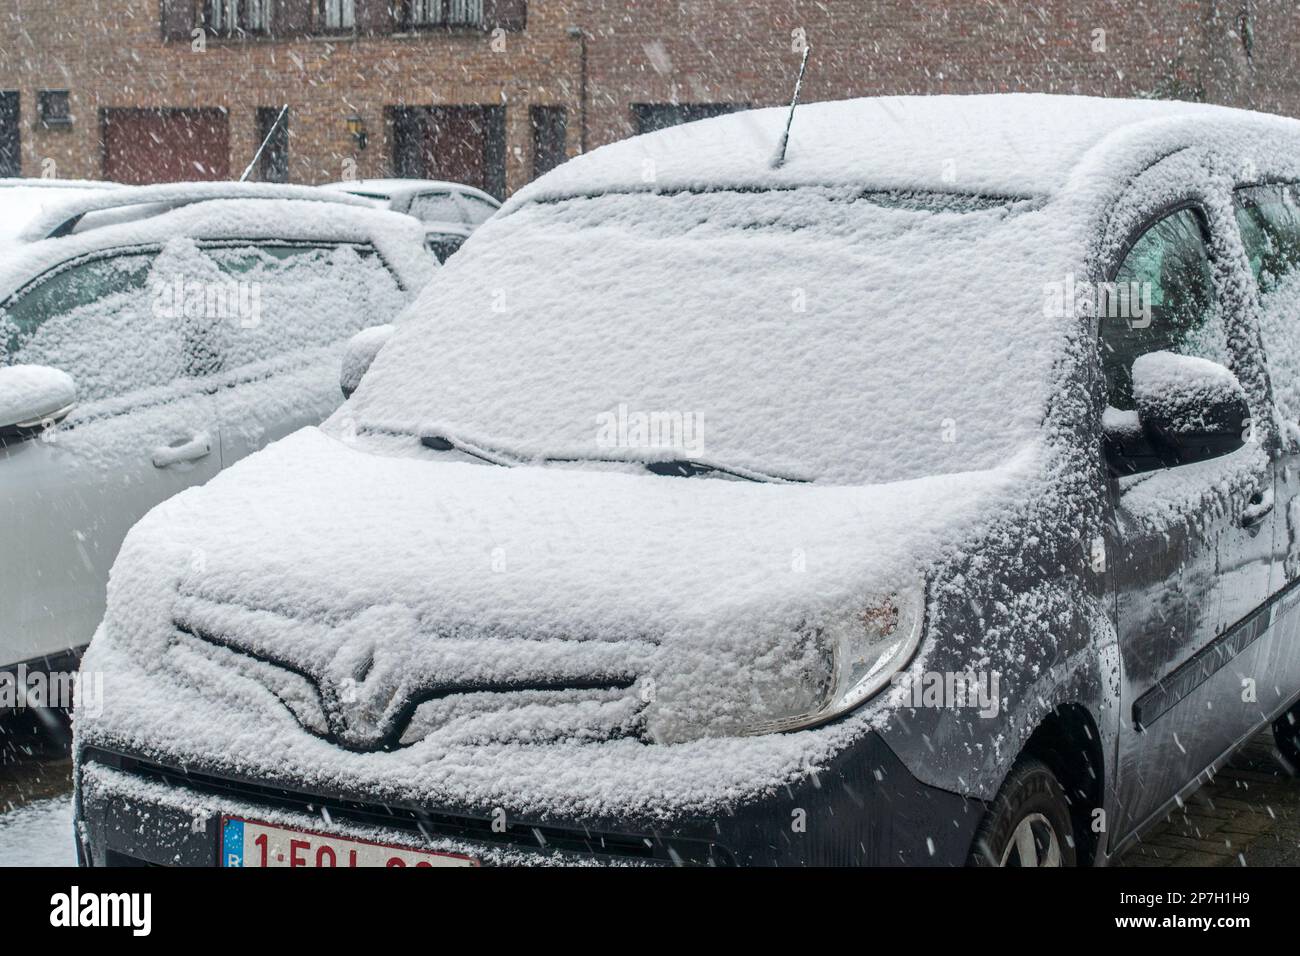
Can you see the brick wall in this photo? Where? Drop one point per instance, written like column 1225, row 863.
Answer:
column 110, row 53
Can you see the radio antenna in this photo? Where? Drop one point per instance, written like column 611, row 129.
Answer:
column 779, row 159
column 269, row 133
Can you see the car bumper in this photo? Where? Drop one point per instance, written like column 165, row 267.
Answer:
column 863, row 808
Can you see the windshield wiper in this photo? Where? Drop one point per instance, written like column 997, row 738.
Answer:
column 691, row 467
column 672, row 468
column 489, row 455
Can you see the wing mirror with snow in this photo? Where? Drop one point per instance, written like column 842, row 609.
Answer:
column 32, row 399
column 361, row 351
column 1188, row 409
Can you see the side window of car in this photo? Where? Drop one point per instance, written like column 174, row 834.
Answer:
column 436, row 207
column 276, row 298
column 477, row 211
column 1269, row 220
column 1163, row 300
column 93, row 318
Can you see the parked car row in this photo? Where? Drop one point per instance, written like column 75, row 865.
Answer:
column 923, row 498
column 152, row 336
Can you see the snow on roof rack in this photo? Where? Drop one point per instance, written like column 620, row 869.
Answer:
column 63, row 219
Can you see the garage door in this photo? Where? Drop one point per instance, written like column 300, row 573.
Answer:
column 165, row 145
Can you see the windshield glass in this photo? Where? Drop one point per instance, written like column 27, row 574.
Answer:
column 815, row 334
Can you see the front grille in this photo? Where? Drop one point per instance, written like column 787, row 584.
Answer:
column 609, row 845
column 420, row 680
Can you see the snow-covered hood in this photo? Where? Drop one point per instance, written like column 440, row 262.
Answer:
column 387, row 600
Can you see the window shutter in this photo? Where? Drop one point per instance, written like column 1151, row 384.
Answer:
column 376, row 16
column 291, row 18
column 506, row 14
column 177, row 19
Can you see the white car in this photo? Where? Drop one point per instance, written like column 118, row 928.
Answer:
column 21, row 200
column 150, row 336
column 450, row 211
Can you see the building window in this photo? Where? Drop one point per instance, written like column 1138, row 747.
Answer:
column 652, row 116
column 549, row 124
column 10, row 135
column 337, row 15
column 273, row 167
column 232, row 17
column 54, row 107
column 418, row 14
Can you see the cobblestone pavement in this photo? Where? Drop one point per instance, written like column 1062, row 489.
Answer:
column 1248, row 815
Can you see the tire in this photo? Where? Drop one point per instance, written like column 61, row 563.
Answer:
column 1286, row 734
column 1028, row 823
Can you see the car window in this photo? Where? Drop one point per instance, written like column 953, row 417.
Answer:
column 284, row 297
column 443, row 245
column 94, row 319
column 477, row 210
column 1163, row 300
column 1269, row 219
column 436, row 207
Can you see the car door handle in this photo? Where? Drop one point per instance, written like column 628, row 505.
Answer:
column 192, row 449
column 1255, row 512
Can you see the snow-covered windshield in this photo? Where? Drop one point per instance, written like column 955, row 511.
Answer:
column 821, row 334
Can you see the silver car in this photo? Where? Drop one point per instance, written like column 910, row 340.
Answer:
column 449, row 211
column 149, row 337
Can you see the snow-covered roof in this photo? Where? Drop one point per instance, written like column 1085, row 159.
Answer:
column 68, row 215
column 398, row 238
column 1020, row 144
column 24, row 200
column 393, row 188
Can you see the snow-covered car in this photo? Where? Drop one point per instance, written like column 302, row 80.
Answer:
column 23, row 199
column 450, row 211
column 895, row 503
column 148, row 337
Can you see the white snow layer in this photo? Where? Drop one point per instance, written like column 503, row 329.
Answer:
column 892, row 349
column 28, row 389
column 325, row 556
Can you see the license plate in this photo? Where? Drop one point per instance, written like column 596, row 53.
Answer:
column 248, row 843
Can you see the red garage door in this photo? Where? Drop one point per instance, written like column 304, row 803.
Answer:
column 164, row 145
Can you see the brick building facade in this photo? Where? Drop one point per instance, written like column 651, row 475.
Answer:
column 492, row 91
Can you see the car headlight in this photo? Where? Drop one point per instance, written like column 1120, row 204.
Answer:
column 853, row 657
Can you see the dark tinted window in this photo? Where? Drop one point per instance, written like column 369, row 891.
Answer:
column 443, row 246
column 1269, row 219
column 1164, row 300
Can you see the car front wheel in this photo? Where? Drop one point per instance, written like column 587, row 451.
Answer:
column 1028, row 823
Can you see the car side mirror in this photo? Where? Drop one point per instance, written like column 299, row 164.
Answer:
column 361, row 351
column 1188, row 409
column 33, row 398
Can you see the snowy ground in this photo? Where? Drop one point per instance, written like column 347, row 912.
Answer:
column 38, row 834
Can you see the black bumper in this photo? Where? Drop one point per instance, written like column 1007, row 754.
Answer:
column 862, row 809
